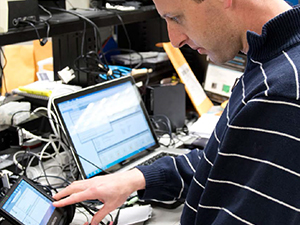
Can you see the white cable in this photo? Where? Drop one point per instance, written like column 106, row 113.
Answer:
column 21, row 152
column 29, row 135
column 30, row 162
column 50, row 155
column 54, row 118
column 51, row 139
column 55, row 130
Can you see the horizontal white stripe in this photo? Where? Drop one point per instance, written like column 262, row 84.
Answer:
column 199, row 157
column 190, row 165
column 228, row 211
column 256, row 192
column 264, row 74
column 215, row 134
column 188, row 205
column 197, row 182
column 182, row 183
column 265, row 131
column 244, row 91
column 207, row 159
column 275, row 102
column 261, row 161
column 295, row 72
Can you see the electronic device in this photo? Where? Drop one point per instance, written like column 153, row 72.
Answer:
column 53, row 3
column 108, row 127
column 27, row 204
column 292, row 2
column 22, row 10
column 8, row 137
column 168, row 100
column 220, row 79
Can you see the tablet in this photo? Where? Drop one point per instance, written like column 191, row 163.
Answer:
column 27, row 204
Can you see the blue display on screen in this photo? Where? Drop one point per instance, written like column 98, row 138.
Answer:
column 28, row 205
column 107, row 126
column 292, row 2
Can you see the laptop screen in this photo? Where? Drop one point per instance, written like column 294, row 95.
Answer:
column 107, row 124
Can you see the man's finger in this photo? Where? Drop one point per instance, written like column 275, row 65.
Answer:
column 72, row 188
column 75, row 198
column 99, row 216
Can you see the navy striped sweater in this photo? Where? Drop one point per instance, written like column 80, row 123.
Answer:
column 249, row 172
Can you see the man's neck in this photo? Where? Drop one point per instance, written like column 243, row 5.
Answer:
column 257, row 13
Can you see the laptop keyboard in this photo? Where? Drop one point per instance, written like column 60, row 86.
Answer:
column 154, row 158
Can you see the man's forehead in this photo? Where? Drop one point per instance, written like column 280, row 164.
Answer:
column 167, row 8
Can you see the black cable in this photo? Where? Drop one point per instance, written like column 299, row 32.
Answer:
column 42, row 41
column 15, row 113
column 99, row 50
column 93, row 164
column 47, row 11
column 68, row 144
column 124, row 28
column 129, row 51
column 116, row 220
column 2, row 77
column 52, row 188
column 92, row 59
column 127, row 37
column 122, row 23
column 52, row 176
column 94, row 64
column 89, row 211
column 83, row 37
column 165, row 121
column 87, row 219
column 45, row 174
column 42, row 114
column 70, row 4
column 47, row 20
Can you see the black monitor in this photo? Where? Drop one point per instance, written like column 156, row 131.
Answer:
column 53, row 3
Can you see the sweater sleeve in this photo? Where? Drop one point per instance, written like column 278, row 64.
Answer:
column 169, row 178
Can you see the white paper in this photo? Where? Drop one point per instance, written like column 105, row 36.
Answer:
column 205, row 125
column 192, row 84
column 134, row 214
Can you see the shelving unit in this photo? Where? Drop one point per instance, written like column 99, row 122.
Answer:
column 62, row 23
column 66, row 30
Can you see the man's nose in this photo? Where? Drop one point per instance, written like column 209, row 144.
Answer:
column 177, row 37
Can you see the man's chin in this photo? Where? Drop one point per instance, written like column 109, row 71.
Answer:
column 218, row 60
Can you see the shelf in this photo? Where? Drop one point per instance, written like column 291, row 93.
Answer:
column 62, row 23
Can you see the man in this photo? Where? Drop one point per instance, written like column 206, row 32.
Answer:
column 249, row 172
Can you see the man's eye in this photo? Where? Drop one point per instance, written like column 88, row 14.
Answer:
column 175, row 19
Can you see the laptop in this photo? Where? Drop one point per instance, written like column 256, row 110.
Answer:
column 108, row 127
column 220, row 79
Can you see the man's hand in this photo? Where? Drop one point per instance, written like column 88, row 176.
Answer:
column 112, row 190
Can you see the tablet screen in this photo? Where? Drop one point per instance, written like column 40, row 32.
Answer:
column 28, row 205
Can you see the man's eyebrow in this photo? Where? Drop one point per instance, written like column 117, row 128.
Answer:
column 164, row 16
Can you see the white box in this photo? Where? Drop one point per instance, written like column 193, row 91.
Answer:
column 3, row 16
column 79, row 4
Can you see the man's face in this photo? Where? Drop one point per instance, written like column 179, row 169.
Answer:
column 204, row 26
